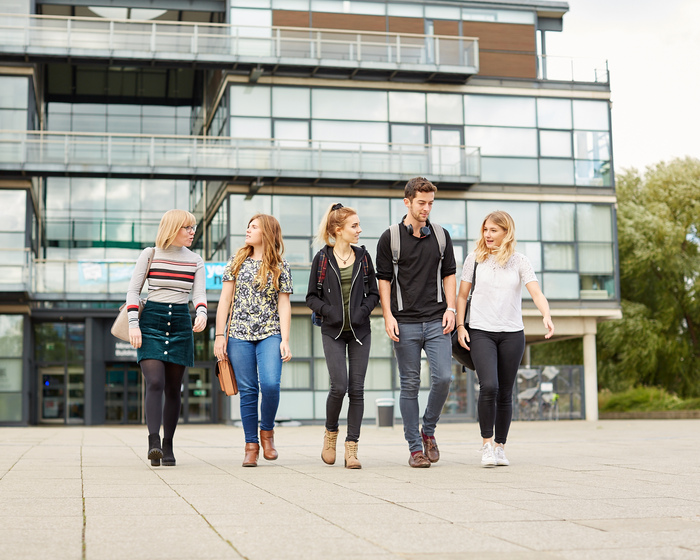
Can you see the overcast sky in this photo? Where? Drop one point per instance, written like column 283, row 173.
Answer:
column 653, row 50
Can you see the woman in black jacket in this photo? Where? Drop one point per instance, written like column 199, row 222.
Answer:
column 342, row 293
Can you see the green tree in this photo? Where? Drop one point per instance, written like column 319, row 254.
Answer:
column 657, row 342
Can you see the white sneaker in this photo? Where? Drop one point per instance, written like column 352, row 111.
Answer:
column 488, row 459
column 500, row 454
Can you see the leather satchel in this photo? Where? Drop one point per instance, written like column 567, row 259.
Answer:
column 459, row 352
column 224, row 369
column 120, row 327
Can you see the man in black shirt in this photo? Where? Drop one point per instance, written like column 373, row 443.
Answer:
column 422, row 317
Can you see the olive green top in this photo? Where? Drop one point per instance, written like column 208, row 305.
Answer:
column 345, row 283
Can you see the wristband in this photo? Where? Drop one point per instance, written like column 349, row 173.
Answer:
column 220, row 335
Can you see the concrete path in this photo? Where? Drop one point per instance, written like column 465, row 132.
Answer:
column 574, row 490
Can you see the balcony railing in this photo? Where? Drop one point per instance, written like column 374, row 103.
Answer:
column 224, row 44
column 567, row 69
column 39, row 152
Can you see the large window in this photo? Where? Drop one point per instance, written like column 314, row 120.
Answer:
column 11, row 346
column 522, row 140
column 97, row 218
column 570, row 246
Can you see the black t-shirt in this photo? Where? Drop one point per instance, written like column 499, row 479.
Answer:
column 418, row 263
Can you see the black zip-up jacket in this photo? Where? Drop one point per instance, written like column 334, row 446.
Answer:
column 364, row 296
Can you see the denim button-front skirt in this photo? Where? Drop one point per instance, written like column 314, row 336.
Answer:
column 166, row 331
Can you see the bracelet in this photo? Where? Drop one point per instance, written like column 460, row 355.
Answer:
column 453, row 310
column 220, row 335
column 465, row 328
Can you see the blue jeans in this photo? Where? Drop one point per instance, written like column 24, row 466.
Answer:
column 258, row 368
column 414, row 337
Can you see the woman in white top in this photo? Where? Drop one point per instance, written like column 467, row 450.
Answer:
column 495, row 334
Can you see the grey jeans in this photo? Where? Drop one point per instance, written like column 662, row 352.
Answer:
column 414, row 337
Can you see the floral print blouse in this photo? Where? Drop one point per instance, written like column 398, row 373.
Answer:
column 255, row 311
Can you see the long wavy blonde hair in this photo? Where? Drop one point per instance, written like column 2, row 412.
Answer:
column 507, row 248
column 273, row 249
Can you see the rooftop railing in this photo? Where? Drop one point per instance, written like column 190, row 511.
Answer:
column 571, row 69
column 40, row 152
column 56, row 36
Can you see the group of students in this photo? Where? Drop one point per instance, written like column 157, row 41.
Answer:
column 415, row 282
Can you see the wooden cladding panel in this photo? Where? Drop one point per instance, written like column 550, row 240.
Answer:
column 348, row 21
column 287, row 18
column 501, row 36
column 406, row 25
column 507, row 65
column 443, row 27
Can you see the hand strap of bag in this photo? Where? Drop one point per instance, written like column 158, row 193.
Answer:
column 148, row 269
column 471, row 291
column 230, row 315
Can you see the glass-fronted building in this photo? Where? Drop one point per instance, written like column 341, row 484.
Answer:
column 113, row 112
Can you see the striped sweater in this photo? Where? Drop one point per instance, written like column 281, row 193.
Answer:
column 174, row 273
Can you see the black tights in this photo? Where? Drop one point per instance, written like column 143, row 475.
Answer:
column 162, row 377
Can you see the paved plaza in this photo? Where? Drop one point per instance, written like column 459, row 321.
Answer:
column 574, row 490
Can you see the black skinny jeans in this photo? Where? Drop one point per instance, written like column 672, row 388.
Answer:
column 343, row 381
column 496, row 356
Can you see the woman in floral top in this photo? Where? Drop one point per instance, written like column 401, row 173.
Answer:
column 260, row 282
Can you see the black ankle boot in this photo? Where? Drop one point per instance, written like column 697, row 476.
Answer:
column 168, row 456
column 155, row 452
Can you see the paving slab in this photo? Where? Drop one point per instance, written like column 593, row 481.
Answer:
column 574, row 490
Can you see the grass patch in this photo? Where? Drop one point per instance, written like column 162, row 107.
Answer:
column 643, row 399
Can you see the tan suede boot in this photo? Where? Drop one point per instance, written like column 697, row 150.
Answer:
column 267, row 440
column 328, row 452
column 252, row 450
column 351, row 461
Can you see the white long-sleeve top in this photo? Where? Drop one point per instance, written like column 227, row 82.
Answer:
column 175, row 273
column 497, row 298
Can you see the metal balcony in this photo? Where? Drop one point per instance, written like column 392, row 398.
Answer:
column 38, row 153
column 274, row 50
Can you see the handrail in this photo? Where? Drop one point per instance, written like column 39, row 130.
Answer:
column 151, row 22
column 214, row 156
column 243, row 43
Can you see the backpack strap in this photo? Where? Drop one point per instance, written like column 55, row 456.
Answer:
column 321, row 272
column 442, row 243
column 395, row 252
column 365, row 269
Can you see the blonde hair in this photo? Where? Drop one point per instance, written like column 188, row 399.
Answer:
column 331, row 221
column 273, row 249
column 170, row 225
column 507, row 248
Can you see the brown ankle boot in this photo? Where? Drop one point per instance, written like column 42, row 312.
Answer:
column 267, row 439
column 351, row 461
column 328, row 452
column 252, row 450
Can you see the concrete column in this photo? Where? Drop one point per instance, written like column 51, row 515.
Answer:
column 590, row 370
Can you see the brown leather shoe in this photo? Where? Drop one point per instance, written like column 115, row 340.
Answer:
column 267, row 439
column 252, row 450
column 430, row 448
column 418, row 460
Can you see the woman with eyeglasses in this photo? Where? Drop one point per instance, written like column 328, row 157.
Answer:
column 342, row 293
column 259, row 281
column 162, row 335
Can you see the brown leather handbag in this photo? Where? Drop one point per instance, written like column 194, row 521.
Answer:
column 224, row 369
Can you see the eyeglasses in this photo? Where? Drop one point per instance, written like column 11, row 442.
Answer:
column 190, row 229
column 337, row 206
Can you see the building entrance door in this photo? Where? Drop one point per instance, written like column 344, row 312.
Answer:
column 124, row 394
